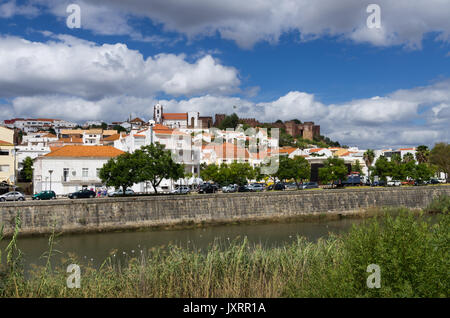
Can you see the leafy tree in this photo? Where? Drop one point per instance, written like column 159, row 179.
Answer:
column 121, row 171
column 26, row 174
column 422, row 172
column 356, row 167
column 230, row 121
column 440, row 156
column 368, row 158
column 155, row 164
column 382, row 168
column 422, row 154
column 334, row 169
column 210, row 172
column 286, row 139
column 297, row 168
column 119, row 128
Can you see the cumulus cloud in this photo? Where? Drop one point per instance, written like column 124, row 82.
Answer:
column 67, row 65
column 10, row 9
column 403, row 22
column 378, row 122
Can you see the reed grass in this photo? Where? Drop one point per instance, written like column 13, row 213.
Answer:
column 412, row 252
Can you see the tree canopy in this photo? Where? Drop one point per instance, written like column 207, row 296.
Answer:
column 297, row 168
column 151, row 163
column 334, row 169
column 440, row 156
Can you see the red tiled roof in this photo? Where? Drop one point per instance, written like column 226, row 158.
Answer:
column 175, row 116
column 5, row 143
column 85, row 151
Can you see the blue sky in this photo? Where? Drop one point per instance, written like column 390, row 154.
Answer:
column 311, row 60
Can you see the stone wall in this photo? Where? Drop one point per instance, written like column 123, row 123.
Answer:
column 95, row 215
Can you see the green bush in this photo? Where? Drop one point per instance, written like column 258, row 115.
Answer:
column 439, row 204
column 412, row 252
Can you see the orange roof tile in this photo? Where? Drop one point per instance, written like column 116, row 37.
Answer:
column 287, row 150
column 175, row 116
column 5, row 143
column 112, row 137
column 85, row 151
column 315, row 150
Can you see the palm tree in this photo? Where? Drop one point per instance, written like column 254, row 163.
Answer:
column 422, row 154
column 368, row 157
column 408, row 157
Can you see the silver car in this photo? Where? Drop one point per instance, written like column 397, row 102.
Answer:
column 12, row 196
column 181, row 190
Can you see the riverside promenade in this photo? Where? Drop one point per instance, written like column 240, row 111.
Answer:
column 99, row 215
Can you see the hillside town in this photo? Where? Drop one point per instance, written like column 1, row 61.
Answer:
column 67, row 157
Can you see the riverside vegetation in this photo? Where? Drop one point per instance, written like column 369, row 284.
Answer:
column 412, row 252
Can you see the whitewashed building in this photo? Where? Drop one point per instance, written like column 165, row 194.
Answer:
column 71, row 168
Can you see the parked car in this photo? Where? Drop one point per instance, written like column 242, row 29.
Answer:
column 291, row 185
column 394, row 183
column 207, row 188
column 410, row 182
column 256, row 187
column 379, row 183
column 309, row 185
column 44, row 195
column 85, row 193
column 181, row 190
column 230, row 188
column 434, row 181
column 12, row 196
column 244, row 188
column 277, row 186
column 120, row 193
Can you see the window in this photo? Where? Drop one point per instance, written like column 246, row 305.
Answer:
column 4, row 152
column 4, row 168
column 98, row 172
column 85, row 172
column 65, row 174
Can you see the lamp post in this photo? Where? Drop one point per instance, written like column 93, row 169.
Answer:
column 50, row 171
column 15, row 173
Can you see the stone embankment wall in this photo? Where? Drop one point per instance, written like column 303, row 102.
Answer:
column 96, row 215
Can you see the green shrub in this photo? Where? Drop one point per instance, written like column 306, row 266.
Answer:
column 439, row 204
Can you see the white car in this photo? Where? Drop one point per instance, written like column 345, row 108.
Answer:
column 120, row 192
column 12, row 196
column 394, row 183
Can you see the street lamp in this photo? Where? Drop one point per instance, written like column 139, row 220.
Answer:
column 50, row 171
column 15, row 173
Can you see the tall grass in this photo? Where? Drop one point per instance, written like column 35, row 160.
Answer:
column 413, row 255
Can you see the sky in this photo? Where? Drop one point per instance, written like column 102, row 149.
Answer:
column 313, row 60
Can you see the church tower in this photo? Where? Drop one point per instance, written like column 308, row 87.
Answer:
column 158, row 114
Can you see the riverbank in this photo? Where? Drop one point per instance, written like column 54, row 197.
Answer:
column 134, row 213
column 411, row 251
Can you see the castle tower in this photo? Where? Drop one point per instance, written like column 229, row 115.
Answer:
column 158, row 114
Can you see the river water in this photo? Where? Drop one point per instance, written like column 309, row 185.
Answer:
column 96, row 247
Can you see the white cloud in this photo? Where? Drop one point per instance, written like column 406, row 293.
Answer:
column 388, row 121
column 76, row 67
column 10, row 9
column 248, row 22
